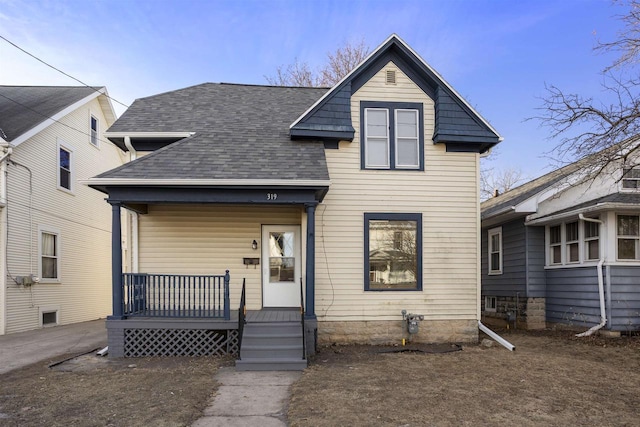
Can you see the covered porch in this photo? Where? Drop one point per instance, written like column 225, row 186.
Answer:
column 176, row 301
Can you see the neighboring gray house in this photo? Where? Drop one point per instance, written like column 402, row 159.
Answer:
column 556, row 247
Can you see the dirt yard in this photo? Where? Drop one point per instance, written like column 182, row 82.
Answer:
column 552, row 379
column 94, row 391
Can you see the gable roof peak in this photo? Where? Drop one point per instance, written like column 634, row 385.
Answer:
column 478, row 130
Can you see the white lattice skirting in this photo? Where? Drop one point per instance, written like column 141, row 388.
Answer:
column 179, row 342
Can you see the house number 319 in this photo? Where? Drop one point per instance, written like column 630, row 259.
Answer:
column 272, row 196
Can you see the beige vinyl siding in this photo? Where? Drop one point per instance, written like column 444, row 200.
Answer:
column 209, row 239
column 445, row 193
column 82, row 218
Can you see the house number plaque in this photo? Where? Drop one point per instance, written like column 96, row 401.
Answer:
column 272, row 196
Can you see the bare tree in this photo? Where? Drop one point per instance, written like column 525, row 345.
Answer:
column 338, row 65
column 602, row 131
column 495, row 182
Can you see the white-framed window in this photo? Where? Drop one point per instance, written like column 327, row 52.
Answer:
column 407, row 139
column 377, row 137
column 631, row 178
column 555, row 245
column 573, row 242
column 591, row 241
column 392, row 135
column 494, row 251
column 48, row 255
column 93, row 130
column 628, row 236
column 66, row 173
column 490, row 304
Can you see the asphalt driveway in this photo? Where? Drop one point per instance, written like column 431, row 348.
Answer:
column 24, row 348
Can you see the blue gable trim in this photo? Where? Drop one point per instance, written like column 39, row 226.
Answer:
column 330, row 119
column 455, row 121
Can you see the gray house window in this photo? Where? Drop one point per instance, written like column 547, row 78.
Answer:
column 591, row 241
column 393, row 252
column 555, row 244
column 392, row 135
column 628, row 237
column 495, row 251
column 572, row 241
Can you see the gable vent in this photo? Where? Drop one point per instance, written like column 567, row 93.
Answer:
column 391, row 77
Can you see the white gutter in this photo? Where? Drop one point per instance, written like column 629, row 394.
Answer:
column 603, row 314
column 208, row 182
column 506, row 344
column 148, row 134
column 597, row 207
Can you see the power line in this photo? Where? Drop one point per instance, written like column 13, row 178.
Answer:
column 48, row 117
column 59, row 70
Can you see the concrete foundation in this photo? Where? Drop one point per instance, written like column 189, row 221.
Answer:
column 393, row 331
column 517, row 312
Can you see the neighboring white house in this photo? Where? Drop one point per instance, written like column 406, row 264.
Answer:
column 55, row 235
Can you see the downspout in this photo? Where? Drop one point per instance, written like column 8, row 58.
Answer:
column 506, row 344
column 3, row 236
column 603, row 313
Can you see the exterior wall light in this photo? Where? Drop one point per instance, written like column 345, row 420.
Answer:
column 254, row 245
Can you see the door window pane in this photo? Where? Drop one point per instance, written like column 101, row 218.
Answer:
column 281, row 257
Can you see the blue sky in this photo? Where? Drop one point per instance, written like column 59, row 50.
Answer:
column 497, row 54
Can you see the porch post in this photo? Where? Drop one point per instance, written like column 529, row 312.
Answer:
column 310, row 303
column 116, row 262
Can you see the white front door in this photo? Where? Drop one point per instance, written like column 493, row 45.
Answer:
column 281, row 272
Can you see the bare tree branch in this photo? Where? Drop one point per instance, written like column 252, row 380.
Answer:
column 339, row 64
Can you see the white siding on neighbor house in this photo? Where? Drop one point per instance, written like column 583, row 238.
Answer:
column 82, row 217
column 446, row 193
column 209, row 239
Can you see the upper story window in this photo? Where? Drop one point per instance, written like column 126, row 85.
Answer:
column 65, row 167
column 93, row 124
column 631, row 178
column 393, row 252
column 573, row 242
column 628, row 235
column 392, row 135
column 495, row 251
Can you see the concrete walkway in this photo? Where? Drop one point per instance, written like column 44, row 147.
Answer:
column 249, row 398
column 24, row 348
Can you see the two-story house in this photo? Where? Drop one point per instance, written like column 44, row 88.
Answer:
column 355, row 203
column 55, row 235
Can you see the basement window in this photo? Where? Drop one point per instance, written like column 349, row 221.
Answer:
column 49, row 318
column 490, row 304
